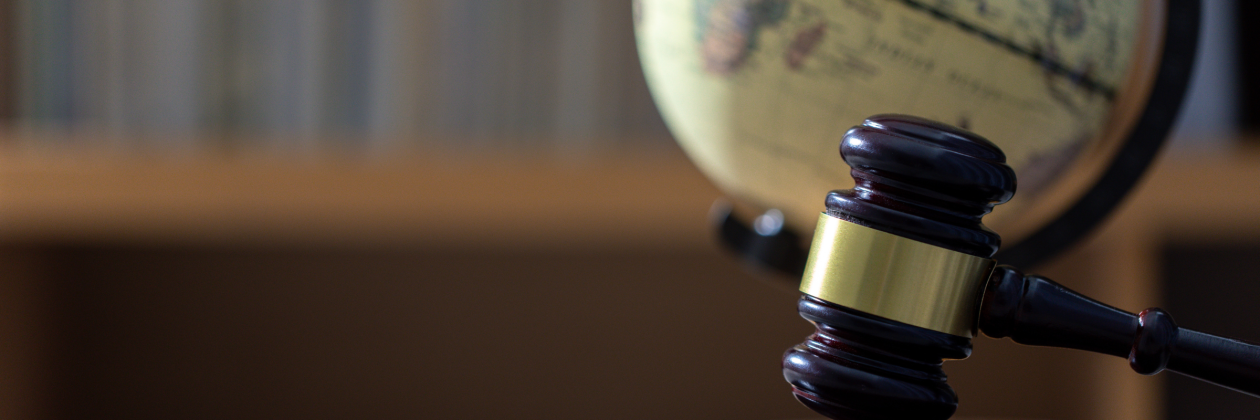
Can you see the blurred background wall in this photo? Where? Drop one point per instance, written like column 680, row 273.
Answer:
column 454, row 209
column 292, row 75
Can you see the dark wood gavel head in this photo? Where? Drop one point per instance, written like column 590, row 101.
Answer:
column 896, row 270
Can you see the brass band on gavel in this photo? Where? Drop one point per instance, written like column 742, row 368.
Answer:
column 894, row 277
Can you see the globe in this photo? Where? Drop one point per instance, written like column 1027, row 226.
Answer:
column 758, row 93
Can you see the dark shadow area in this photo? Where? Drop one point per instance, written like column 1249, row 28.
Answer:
column 179, row 332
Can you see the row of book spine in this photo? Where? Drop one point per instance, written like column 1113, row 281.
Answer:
column 298, row 74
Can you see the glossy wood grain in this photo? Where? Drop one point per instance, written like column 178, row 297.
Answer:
column 925, row 181
column 861, row 366
column 930, row 182
column 1037, row 311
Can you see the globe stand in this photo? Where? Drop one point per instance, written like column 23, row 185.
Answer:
column 778, row 250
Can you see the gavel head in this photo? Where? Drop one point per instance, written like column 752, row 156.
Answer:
column 896, row 270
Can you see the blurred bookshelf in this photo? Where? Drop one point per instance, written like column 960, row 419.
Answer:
column 334, row 121
column 409, row 156
column 307, row 76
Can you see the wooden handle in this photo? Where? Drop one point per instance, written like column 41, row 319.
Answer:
column 1223, row 361
column 1037, row 311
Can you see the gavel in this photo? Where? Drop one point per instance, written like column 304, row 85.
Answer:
column 900, row 277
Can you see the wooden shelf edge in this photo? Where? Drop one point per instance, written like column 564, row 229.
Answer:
column 640, row 200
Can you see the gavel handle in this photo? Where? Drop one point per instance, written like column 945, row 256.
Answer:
column 1037, row 311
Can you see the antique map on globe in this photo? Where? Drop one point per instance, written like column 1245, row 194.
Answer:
column 760, row 92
